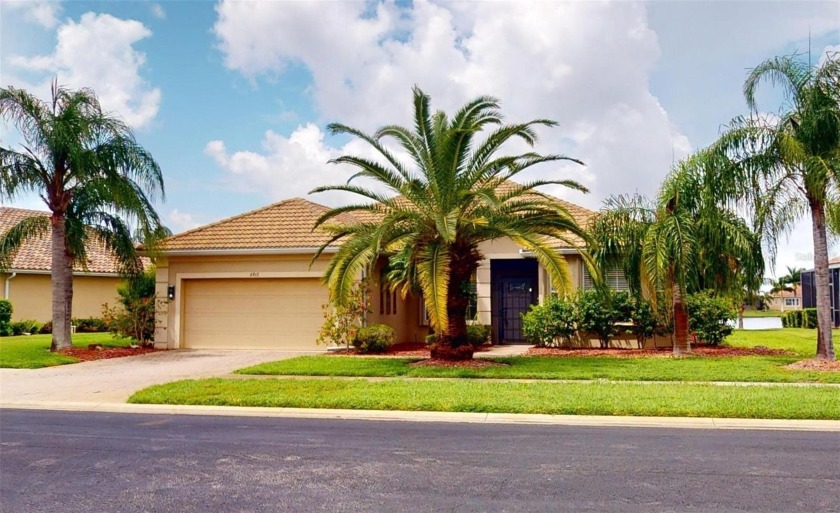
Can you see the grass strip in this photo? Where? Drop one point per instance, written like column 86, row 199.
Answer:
column 472, row 396
column 743, row 368
column 33, row 351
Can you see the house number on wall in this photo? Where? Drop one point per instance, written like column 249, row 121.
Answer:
column 255, row 275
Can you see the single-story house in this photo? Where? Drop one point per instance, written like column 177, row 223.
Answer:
column 249, row 282
column 27, row 281
column 809, row 289
column 786, row 300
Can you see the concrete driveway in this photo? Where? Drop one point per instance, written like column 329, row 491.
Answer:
column 114, row 380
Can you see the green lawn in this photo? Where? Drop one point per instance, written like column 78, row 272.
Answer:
column 762, row 313
column 508, row 397
column 744, row 368
column 33, row 351
column 800, row 340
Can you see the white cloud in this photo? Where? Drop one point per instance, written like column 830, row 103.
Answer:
column 178, row 221
column 157, row 11
column 585, row 65
column 97, row 52
column 43, row 13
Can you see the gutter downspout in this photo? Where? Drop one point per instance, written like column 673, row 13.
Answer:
column 6, row 296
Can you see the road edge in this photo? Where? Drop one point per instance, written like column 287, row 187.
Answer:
column 429, row 416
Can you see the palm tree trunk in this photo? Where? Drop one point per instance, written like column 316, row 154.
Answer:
column 741, row 317
column 681, row 342
column 452, row 343
column 825, row 344
column 62, row 286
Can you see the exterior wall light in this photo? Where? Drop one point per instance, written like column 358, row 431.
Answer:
column 170, row 292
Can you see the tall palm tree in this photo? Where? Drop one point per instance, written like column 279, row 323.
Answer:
column 682, row 242
column 793, row 278
column 95, row 179
column 789, row 166
column 455, row 194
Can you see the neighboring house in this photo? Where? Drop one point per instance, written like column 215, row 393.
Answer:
column 786, row 300
column 249, row 282
column 809, row 293
column 27, row 282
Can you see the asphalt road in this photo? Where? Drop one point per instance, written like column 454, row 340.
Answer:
column 85, row 462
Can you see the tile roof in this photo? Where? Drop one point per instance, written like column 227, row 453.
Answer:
column 36, row 253
column 287, row 225
column 284, row 225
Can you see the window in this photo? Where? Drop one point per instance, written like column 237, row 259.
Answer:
column 791, row 301
column 614, row 278
column 387, row 298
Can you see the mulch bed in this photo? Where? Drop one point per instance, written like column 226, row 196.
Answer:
column 87, row 355
column 815, row 365
column 404, row 349
column 473, row 364
column 697, row 350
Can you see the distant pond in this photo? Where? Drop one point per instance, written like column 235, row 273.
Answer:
column 760, row 323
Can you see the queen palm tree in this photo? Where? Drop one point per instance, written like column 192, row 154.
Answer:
column 684, row 241
column 455, row 194
column 94, row 178
column 788, row 166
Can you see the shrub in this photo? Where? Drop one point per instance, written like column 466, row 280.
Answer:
column 431, row 338
column 549, row 321
column 809, row 318
column 5, row 317
column 90, row 325
column 343, row 319
column 785, row 321
column 709, row 316
column 26, row 326
column 600, row 312
column 46, row 329
column 477, row 334
column 135, row 316
column 374, row 339
column 646, row 323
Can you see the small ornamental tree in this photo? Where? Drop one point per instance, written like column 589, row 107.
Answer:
column 344, row 318
column 600, row 311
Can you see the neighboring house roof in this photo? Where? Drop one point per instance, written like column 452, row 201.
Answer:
column 287, row 225
column 284, row 225
column 36, row 253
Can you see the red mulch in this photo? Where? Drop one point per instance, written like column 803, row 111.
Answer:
column 430, row 362
column 87, row 355
column 402, row 349
column 697, row 350
column 815, row 365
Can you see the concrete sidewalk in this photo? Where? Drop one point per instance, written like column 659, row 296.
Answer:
column 449, row 417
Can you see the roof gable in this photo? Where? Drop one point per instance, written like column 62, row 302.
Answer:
column 284, row 225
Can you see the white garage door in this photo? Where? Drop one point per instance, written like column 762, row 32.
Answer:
column 253, row 314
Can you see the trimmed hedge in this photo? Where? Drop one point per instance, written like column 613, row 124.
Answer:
column 374, row 339
column 5, row 317
column 805, row 318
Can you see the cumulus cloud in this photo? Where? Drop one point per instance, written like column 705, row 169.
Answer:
column 97, row 52
column 585, row 65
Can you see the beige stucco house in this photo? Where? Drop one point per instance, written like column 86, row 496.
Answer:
column 249, row 282
column 27, row 281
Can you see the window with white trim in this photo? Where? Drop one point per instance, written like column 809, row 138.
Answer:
column 614, row 278
column 791, row 301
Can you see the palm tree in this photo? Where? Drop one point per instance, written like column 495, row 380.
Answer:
column 683, row 242
column 94, row 178
column 455, row 194
column 789, row 166
column 793, row 277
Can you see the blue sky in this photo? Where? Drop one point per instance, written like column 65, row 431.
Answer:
column 233, row 98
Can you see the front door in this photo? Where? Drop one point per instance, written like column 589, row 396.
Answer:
column 516, row 296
